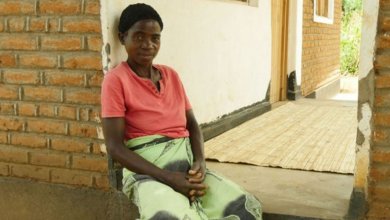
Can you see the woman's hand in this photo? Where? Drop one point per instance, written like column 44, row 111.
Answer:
column 197, row 174
column 180, row 183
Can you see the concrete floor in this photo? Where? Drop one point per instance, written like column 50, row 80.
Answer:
column 292, row 192
column 296, row 194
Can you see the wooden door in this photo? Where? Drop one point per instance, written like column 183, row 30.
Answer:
column 279, row 16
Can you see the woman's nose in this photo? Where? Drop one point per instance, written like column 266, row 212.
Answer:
column 147, row 44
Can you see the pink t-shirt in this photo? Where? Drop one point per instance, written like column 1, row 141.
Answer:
column 146, row 110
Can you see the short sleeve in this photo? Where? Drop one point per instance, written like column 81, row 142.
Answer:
column 186, row 100
column 112, row 97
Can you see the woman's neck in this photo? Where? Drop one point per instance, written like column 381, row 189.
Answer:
column 141, row 71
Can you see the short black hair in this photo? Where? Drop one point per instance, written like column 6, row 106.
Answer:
column 136, row 12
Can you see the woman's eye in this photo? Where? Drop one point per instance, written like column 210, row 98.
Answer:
column 139, row 38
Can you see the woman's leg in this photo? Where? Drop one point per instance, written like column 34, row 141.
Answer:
column 225, row 199
column 157, row 201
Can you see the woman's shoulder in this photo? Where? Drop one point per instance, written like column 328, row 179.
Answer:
column 115, row 75
column 117, row 69
column 167, row 70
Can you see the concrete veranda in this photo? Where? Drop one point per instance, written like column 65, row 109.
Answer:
column 293, row 194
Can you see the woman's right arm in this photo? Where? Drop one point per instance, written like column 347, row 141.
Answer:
column 113, row 129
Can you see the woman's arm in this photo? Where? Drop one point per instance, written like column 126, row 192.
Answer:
column 196, row 139
column 113, row 129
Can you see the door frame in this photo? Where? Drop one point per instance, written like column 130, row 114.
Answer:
column 279, row 58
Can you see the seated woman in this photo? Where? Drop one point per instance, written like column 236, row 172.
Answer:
column 149, row 128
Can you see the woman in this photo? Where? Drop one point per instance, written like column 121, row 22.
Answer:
column 145, row 105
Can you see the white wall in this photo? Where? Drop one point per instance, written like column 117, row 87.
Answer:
column 220, row 48
column 294, row 58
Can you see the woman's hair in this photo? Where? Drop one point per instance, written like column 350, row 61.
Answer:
column 136, row 12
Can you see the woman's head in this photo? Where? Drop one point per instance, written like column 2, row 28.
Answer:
column 139, row 32
column 137, row 12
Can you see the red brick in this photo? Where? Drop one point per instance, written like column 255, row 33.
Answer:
column 27, row 109
column 70, row 144
column 72, row 177
column 62, row 7
column 85, row 25
column 16, row 7
column 13, row 154
column 385, row 4
column 99, row 148
column 83, row 130
column 384, row 23
column 89, row 162
column 53, row 25
column 9, row 92
column 381, row 137
column 84, row 61
column 379, row 173
column 67, row 112
column 102, row 182
column 380, row 156
column 95, row 43
column 3, row 137
column 37, row 24
column 18, row 42
column 42, row 94
column 92, row 7
column 4, row 169
column 28, row 140
column 31, row 172
column 46, row 126
column 382, row 119
column 382, row 81
column 382, row 100
column 378, row 210
column 16, row 24
column 50, row 159
column 2, row 25
column 7, row 60
column 383, row 42
column 96, row 79
column 65, row 43
column 65, row 79
column 7, row 108
column 84, row 97
column 21, row 77
column 10, row 124
column 46, row 110
column 84, row 114
column 38, row 61
column 380, row 193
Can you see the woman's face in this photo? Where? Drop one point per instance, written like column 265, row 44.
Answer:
column 142, row 42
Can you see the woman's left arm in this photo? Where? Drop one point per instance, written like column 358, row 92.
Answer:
column 196, row 138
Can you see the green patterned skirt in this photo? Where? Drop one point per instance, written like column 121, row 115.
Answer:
column 155, row 200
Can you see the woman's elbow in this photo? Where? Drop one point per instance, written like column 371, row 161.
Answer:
column 112, row 149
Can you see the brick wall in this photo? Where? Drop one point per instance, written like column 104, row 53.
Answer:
column 50, row 76
column 320, row 49
column 379, row 170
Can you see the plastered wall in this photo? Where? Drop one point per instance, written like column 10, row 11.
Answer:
column 295, row 39
column 220, row 48
column 367, row 52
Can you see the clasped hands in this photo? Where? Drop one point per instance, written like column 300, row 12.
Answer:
column 196, row 176
column 190, row 184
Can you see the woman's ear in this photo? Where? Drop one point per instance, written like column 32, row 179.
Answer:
column 121, row 37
